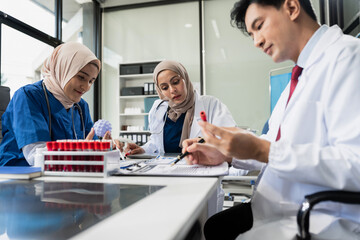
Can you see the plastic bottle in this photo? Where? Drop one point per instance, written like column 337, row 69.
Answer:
column 39, row 158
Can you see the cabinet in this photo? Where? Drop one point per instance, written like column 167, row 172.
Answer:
column 136, row 96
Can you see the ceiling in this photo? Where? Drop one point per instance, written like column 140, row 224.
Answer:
column 70, row 7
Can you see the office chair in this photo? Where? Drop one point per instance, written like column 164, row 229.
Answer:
column 303, row 216
column 4, row 101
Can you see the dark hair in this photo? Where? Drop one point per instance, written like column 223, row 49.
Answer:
column 239, row 10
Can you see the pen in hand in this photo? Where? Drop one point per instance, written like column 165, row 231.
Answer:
column 182, row 155
column 202, row 140
column 122, row 157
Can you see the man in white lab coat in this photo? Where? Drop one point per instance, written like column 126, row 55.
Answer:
column 313, row 143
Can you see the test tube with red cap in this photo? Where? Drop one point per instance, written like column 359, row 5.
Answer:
column 203, row 116
column 79, row 157
column 85, row 148
column 51, row 146
column 74, row 147
column 105, row 145
column 66, row 146
column 56, row 147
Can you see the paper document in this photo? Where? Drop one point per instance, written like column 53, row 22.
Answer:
column 161, row 160
column 163, row 166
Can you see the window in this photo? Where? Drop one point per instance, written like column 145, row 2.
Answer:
column 21, row 58
column 29, row 33
column 38, row 14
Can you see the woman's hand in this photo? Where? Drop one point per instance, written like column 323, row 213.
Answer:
column 91, row 135
column 119, row 145
column 236, row 142
column 107, row 136
column 132, row 148
column 202, row 153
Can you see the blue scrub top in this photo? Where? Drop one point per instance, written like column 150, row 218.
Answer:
column 172, row 134
column 26, row 119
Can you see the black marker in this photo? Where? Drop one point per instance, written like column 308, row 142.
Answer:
column 182, row 155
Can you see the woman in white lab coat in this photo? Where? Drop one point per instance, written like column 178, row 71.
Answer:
column 174, row 117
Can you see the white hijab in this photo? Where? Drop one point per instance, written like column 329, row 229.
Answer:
column 187, row 106
column 64, row 63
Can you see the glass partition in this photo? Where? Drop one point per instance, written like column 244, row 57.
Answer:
column 236, row 72
column 147, row 34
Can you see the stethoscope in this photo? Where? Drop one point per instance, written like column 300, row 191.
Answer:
column 157, row 107
column 72, row 114
column 165, row 116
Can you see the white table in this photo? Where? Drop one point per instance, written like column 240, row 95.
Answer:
column 168, row 213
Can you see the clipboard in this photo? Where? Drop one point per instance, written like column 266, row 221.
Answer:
column 161, row 166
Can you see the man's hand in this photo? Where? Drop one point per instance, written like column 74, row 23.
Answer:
column 202, row 153
column 236, row 142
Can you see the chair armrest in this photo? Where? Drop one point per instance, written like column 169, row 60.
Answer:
column 303, row 216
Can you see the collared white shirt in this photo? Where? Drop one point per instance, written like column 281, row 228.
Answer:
column 319, row 147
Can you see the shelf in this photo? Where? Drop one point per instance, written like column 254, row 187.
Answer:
column 143, row 61
column 138, row 96
column 134, row 114
column 137, row 76
column 125, row 131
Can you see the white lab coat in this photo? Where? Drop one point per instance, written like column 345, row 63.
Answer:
column 319, row 147
column 217, row 113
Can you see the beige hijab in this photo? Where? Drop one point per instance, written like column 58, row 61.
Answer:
column 188, row 105
column 64, row 63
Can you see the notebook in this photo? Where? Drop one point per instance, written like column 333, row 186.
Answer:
column 19, row 172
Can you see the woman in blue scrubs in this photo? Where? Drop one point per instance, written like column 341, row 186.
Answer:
column 68, row 73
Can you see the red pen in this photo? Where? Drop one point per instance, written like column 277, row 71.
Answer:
column 203, row 116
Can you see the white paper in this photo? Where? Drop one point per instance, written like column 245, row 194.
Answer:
column 163, row 166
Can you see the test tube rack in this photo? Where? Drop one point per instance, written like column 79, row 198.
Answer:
column 80, row 158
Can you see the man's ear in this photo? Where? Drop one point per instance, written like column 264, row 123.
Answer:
column 292, row 8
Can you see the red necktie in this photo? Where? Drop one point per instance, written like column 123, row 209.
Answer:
column 296, row 71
